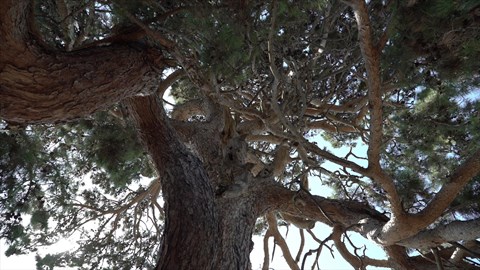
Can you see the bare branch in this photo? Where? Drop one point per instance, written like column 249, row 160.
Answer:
column 358, row 262
column 272, row 223
column 354, row 261
column 452, row 232
column 302, row 244
column 266, row 252
column 167, row 82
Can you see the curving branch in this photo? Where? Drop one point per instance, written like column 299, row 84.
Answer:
column 358, row 262
column 46, row 86
column 280, row 241
column 169, row 80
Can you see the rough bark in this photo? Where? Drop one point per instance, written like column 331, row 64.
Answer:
column 40, row 85
column 191, row 222
column 202, row 231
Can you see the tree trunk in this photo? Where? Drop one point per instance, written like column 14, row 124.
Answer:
column 44, row 86
column 202, row 231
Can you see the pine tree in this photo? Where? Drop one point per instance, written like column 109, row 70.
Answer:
column 88, row 146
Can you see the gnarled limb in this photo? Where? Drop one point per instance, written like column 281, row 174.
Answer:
column 46, row 86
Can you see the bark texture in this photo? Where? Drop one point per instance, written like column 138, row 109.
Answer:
column 191, row 237
column 202, row 231
column 38, row 85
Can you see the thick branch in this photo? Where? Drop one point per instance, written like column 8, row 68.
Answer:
column 350, row 214
column 46, row 86
column 372, row 64
column 169, row 80
column 412, row 224
column 452, row 232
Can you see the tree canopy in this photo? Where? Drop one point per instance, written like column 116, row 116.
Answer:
column 264, row 92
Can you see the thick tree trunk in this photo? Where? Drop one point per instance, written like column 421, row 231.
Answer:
column 38, row 85
column 202, row 231
column 42, row 86
column 190, row 238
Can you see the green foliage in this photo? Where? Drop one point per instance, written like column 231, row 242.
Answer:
column 116, row 152
column 42, row 173
column 438, row 35
column 431, row 140
column 50, row 261
column 39, row 219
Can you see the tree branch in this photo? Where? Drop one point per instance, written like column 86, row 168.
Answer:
column 452, row 232
column 272, row 225
column 47, row 86
column 412, row 224
column 449, row 191
column 169, row 80
column 356, row 261
column 371, row 57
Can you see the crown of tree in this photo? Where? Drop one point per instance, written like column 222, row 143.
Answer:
column 89, row 147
